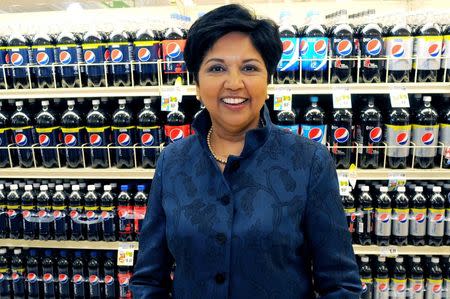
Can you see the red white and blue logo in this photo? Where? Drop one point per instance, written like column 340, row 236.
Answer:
column 418, row 287
column 402, row 138
column 315, row 134
column 433, row 50
column 375, row 134
column 42, row 214
column 401, row 288
column 78, row 279
column 438, row 218
column 383, row 287
column 109, row 280
column 364, row 286
column 70, row 140
column 173, row 50
column 398, row 50
column 288, row 47
column 16, row 277
column 428, row 138
column 17, row 59
column 44, row 140
column 2, row 277
column 42, row 58
column 63, row 278
column 90, row 215
column 420, row 218
column 341, row 135
column 320, row 47
column 48, row 277
column 176, row 134
column 402, row 218
column 26, row 214
column 443, row 49
column 437, row 288
column 144, row 54
column 89, row 56
column 65, row 57
column 344, row 47
column 95, row 139
column 73, row 214
column 116, row 55
column 124, row 281
column 11, row 214
column 93, row 279
column 124, row 139
column 373, row 47
column 32, row 277
column 384, row 217
column 123, row 214
column 57, row 215
column 147, row 139
column 304, row 45
column 21, row 139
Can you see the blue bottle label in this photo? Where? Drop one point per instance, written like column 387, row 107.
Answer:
column 315, row 133
column 95, row 53
column 293, row 128
column 48, row 136
column 289, row 58
column 120, row 53
column 19, row 57
column 23, row 137
column 173, row 50
column 43, row 56
column 314, row 52
column 68, row 54
column 147, row 52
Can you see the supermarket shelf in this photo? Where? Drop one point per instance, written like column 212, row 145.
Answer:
column 76, row 173
column 409, row 174
column 143, row 91
column 401, row 250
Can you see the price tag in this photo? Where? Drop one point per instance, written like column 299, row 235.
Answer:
column 399, row 98
column 389, row 251
column 282, row 99
column 344, row 187
column 342, row 99
column 170, row 98
column 125, row 254
column 396, row 180
column 352, row 176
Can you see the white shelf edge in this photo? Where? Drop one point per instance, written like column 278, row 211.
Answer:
column 401, row 250
column 410, row 174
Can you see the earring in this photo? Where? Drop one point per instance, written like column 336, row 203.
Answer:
column 267, row 97
column 198, row 98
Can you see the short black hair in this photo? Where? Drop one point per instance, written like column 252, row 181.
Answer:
column 205, row 31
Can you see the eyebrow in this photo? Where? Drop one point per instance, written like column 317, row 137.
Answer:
column 223, row 61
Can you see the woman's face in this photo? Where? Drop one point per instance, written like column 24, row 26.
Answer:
column 232, row 83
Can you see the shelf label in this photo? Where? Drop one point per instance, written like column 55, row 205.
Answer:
column 171, row 97
column 282, row 99
column 342, row 99
column 396, row 180
column 389, row 251
column 344, row 186
column 125, row 254
column 399, row 98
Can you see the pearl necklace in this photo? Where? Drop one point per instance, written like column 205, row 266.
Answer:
column 208, row 141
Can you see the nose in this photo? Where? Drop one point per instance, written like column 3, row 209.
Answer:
column 234, row 80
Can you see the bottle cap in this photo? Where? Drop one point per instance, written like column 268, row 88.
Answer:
column 314, row 99
column 435, row 260
column 13, row 187
column 147, row 101
column 95, row 102
column 28, row 187
column 437, row 189
column 17, row 251
column 75, row 187
column 141, row 187
column 365, row 188
column 427, row 99
column 399, row 259
column 401, row 189
column 70, row 102
column 418, row 189
column 365, row 259
column 45, row 103
column 124, row 188
column 43, row 187
column 416, row 259
column 2, row 251
column 19, row 103
column 91, row 188
column 107, row 187
column 59, row 188
column 383, row 189
column 381, row 258
column 122, row 101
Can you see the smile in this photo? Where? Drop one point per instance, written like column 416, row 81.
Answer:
column 234, row 101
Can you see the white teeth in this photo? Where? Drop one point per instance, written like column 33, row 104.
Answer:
column 234, row 101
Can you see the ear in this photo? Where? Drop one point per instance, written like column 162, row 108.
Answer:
column 197, row 92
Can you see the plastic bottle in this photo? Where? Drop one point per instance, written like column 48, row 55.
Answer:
column 109, row 219
column 79, row 276
column 400, row 217
column 63, row 265
column 43, row 203
column 427, row 50
column 399, row 52
column 381, row 286
column 365, row 271
column 314, row 124
column 416, row 281
column 176, row 127
column 29, row 213
column 73, row 131
column 398, row 137
column 48, row 275
column 434, row 280
column 17, row 274
column 14, row 213
column 123, row 131
column 341, row 135
column 125, row 214
column 286, row 120
column 383, row 216
column 288, row 67
column 76, row 207
column 94, row 276
column 60, row 213
column 68, row 54
column 418, row 215
column 140, row 208
column 92, row 212
column 22, row 127
column 32, row 281
column 4, row 218
column 147, row 49
column 372, row 46
column 20, row 56
column 399, row 282
column 95, row 52
column 97, row 126
column 5, row 275
column 109, row 267
column 5, row 137
column 47, row 126
column 150, row 134
column 436, row 216
column 121, row 50
column 173, row 42
column 43, row 54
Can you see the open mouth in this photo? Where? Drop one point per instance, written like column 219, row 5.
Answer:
column 234, row 101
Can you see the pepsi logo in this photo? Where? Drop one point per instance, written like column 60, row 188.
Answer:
column 42, row 214
column 65, row 57
column 15, row 277
column 105, row 215
column 95, row 140
column 373, row 47
column 48, row 277
column 437, row 288
column 57, row 215
column 375, row 134
column 44, row 140
column 444, row 47
column 315, row 134
column 420, row 218
column 107, row 55
column 91, row 215
column 21, row 139
column 353, row 217
column 70, row 140
column 11, row 213
column 26, row 214
column 288, row 47
column 7, row 59
column 173, row 50
column 433, row 50
column 401, row 288
column 364, row 287
column 123, row 214
column 418, row 287
column 438, row 218
column 42, row 58
column 78, row 279
column 384, row 217
column 109, row 280
column 341, row 135
column 63, row 278
column 320, row 47
column 383, row 287
column 124, row 139
column 402, row 218
column 124, row 281
column 176, row 134
column 17, row 59
column 89, row 56
column 398, row 50
column 32, row 277
column 147, row 139
column 144, row 54
column 73, row 214
column 402, row 138
column 116, row 55
column 303, row 47
column 2, row 277
column 344, row 47
column 428, row 138
column 93, row 279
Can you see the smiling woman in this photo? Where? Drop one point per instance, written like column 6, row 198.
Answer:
column 243, row 208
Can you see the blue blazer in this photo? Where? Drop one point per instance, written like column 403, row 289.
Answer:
column 272, row 226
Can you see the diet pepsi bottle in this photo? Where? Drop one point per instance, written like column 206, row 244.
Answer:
column 14, row 212
column 446, row 195
column 150, row 134
column 95, row 54
column 78, row 230
column 436, row 217
column 146, row 52
column 418, row 214
column 399, row 52
column 43, row 54
column 416, row 285
column 372, row 46
column 60, row 213
column 383, row 216
column 313, row 122
column 176, row 127
column 140, row 209
column 125, row 213
column 5, row 138
column 381, row 286
column 314, row 53
column 32, row 281
column 62, row 265
column 342, row 49
column 22, row 128
column 98, row 134
column 365, row 217
column 174, row 68
column 397, row 137
column 341, row 137
column 92, row 212
column 72, row 130
column 18, row 274
column 434, row 280
column 427, row 51
column 121, row 51
column 400, row 217
column 444, row 133
column 20, row 57
column 365, row 271
column 288, row 66
column 286, row 120
column 48, row 130
column 445, row 54
column 123, row 135
column 29, row 213
column 109, row 219
column 69, row 55
column 79, row 276
column 399, row 282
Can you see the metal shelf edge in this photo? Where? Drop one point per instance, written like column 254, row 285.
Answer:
column 77, row 173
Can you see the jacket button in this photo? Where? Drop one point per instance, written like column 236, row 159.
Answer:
column 220, row 278
column 221, row 238
column 225, row 200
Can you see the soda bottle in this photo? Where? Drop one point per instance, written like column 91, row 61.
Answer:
column 174, row 68
column 418, row 223
column 383, row 217
column 92, row 212
column 288, row 66
column 62, row 265
column 445, row 54
column 444, row 132
column 342, row 48
column 109, row 219
column 124, row 276
column 48, row 130
column 5, row 138
column 121, row 50
column 314, row 53
column 314, row 126
column 176, row 127
column 150, row 134
column 60, row 212
column 397, row 137
column 43, row 54
column 365, row 271
column 147, row 52
column 109, row 267
column 381, row 286
column 43, row 209
column 415, row 282
column 399, row 282
column 286, row 120
column 140, row 208
column 48, row 274
column 125, row 214
column 78, row 230
column 20, row 57
column 17, row 274
column 4, row 61
column 123, row 134
column 94, row 276
column 78, row 279
column 5, row 275
column 427, row 51
column 434, row 280
column 68, row 55
column 372, row 46
column 425, row 135
column 4, row 218
column 369, row 133
column 446, row 195
column 341, row 135
column 29, row 213
column 348, row 201
column 400, row 216
column 99, row 135
column 436, row 215
column 399, row 52
column 22, row 127
column 14, row 213
column 365, row 217
column 95, row 54
column 32, row 281
column 72, row 129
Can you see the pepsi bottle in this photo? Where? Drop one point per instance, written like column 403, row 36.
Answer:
column 94, row 276
column 20, row 57
column 174, row 68
column 342, row 49
column 383, row 216
column 18, row 274
column 314, row 53
column 381, row 286
column 32, row 281
column 4, row 218
column 43, row 55
column 444, row 133
column 446, row 195
column 349, row 204
column 125, row 214
column 286, row 120
column 400, row 217
column 365, row 271
column 425, row 135
column 397, row 137
column 62, row 265
column 69, row 55
column 92, row 212
column 418, row 214
column 365, row 217
column 445, row 53
column 95, row 54
column 60, row 214
column 5, row 138
column 150, row 134
column 434, row 280
column 108, row 210
column 123, row 130
column 372, row 46
column 124, row 276
column 341, row 137
column 79, row 276
column 399, row 52
column 43, row 203
column 4, row 61
column 22, row 127
column 415, row 282
column 47, row 128
column 313, row 125
column 5, row 276
column 427, row 51
column 176, row 127
column 288, row 66
column 48, row 275
column 76, row 208
column 109, row 268
column 98, row 133
column 121, row 51
column 29, row 213
column 436, row 217
column 72, row 130
column 14, row 213
column 140, row 209
column 146, row 52
column 398, row 281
